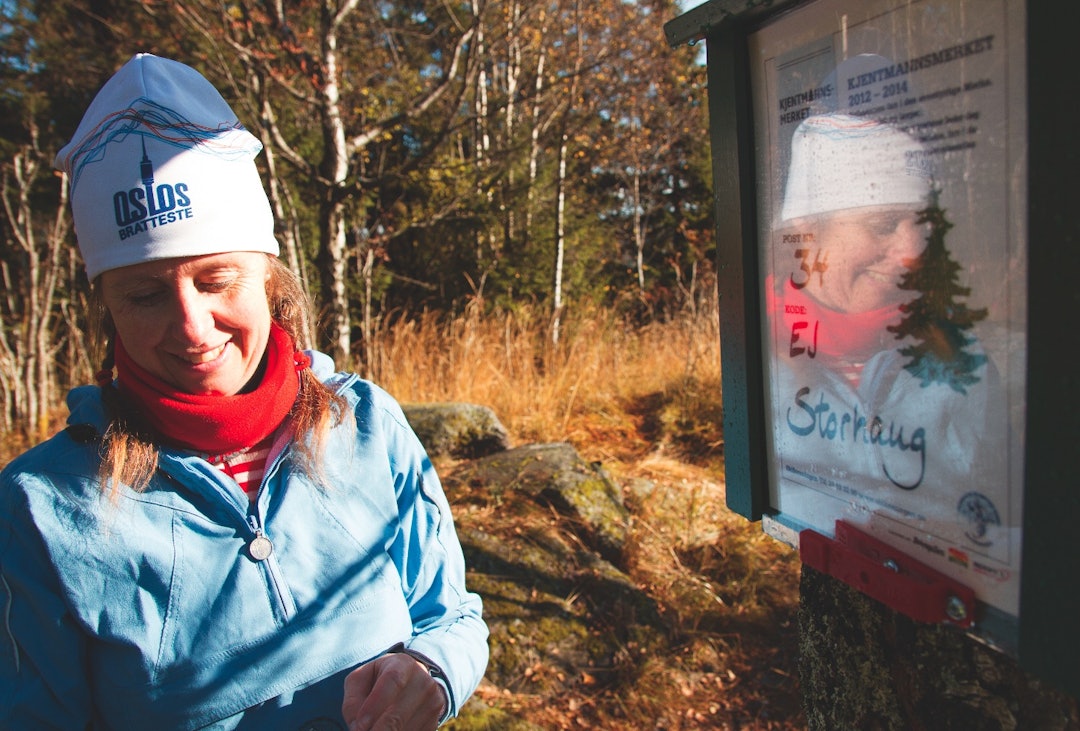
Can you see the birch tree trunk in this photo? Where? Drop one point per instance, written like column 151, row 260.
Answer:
column 560, row 240
column 560, row 187
column 30, row 338
column 285, row 214
column 535, row 133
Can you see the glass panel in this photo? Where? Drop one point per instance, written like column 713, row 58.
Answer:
column 890, row 146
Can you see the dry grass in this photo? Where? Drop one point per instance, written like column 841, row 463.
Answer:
column 585, row 389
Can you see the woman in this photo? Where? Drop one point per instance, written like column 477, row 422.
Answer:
column 228, row 535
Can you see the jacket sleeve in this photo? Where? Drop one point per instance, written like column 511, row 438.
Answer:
column 43, row 683
column 448, row 628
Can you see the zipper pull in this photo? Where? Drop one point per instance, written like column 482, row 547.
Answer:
column 260, row 547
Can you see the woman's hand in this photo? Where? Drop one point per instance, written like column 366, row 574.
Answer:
column 394, row 692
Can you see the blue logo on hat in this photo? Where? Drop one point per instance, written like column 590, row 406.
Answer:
column 150, row 206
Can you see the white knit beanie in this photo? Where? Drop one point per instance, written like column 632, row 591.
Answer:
column 840, row 161
column 160, row 167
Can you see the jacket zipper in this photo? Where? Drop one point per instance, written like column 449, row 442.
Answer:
column 261, row 543
column 261, row 549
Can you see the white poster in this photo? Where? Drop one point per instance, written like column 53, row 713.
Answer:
column 891, row 155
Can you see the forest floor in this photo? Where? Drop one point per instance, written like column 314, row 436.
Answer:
column 727, row 595
column 645, row 402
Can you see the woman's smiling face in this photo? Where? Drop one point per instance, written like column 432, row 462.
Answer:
column 199, row 323
column 865, row 251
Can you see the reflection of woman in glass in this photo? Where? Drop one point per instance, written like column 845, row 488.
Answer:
column 850, row 219
column 854, row 412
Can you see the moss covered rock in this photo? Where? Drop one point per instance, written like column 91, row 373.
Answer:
column 555, row 475
column 457, row 429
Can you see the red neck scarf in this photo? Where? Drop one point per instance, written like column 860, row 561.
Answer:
column 839, row 336
column 217, row 424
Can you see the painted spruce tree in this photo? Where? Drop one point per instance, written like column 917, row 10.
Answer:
column 937, row 320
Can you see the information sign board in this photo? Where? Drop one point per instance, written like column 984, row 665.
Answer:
column 889, row 144
column 927, row 501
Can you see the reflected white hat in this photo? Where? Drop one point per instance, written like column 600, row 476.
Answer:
column 839, row 161
column 160, row 167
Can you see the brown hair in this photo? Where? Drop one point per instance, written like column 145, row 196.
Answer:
column 129, row 448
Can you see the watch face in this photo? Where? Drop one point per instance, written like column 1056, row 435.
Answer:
column 890, row 148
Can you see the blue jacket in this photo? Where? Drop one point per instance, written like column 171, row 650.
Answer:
column 151, row 613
